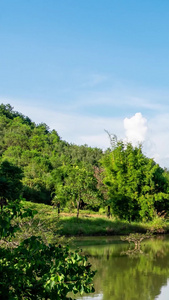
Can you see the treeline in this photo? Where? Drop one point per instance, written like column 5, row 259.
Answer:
column 122, row 179
column 53, row 170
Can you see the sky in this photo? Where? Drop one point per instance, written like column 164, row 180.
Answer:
column 86, row 66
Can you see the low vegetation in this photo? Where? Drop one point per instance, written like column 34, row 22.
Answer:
column 33, row 264
column 89, row 224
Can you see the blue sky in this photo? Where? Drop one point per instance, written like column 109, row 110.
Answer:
column 82, row 66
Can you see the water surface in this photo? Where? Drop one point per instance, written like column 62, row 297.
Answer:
column 123, row 274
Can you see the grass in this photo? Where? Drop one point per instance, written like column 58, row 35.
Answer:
column 92, row 226
column 88, row 224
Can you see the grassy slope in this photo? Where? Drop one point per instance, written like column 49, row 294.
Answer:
column 90, row 224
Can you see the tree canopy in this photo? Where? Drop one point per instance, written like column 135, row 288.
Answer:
column 45, row 160
column 136, row 184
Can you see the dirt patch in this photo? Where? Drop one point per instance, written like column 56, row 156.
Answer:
column 83, row 215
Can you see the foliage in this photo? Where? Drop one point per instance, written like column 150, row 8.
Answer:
column 46, row 161
column 136, row 184
column 102, row 189
column 34, row 269
column 37, row 271
column 78, row 187
column 158, row 224
column 10, row 181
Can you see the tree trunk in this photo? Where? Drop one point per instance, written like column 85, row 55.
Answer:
column 58, row 206
column 108, row 211
column 78, row 207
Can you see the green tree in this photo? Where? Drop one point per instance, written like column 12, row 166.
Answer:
column 136, row 184
column 102, row 189
column 79, row 186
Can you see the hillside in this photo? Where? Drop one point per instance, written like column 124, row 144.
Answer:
column 44, row 158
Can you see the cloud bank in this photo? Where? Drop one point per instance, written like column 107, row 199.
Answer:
column 135, row 128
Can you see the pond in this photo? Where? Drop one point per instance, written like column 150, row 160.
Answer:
column 124, row 274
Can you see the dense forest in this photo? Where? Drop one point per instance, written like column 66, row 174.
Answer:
column 122, row 180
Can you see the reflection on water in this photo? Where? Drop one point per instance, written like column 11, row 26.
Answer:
column 128, row 277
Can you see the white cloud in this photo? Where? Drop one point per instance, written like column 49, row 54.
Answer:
column 152, row 133
column 136, row 128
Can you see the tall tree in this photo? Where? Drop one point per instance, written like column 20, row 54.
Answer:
column 136, row 184
column 79, row 186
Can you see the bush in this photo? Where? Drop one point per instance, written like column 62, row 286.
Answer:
column 34, row 269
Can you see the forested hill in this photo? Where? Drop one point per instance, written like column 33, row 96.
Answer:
column 45, row 159
column 131, row 185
